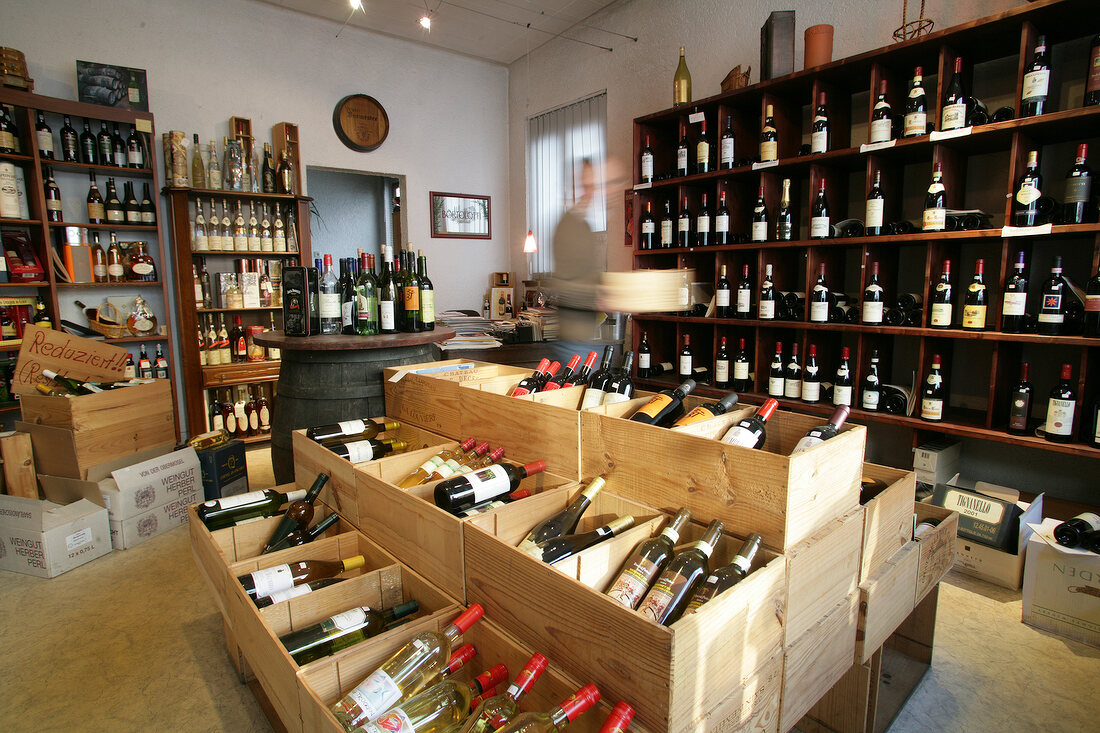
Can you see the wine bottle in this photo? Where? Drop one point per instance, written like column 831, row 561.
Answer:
column 665, row 406
column 819, row 127
column 342, row 630
column 427, row 294
column 769, row 139
column 916, row 117
column 743, row 303
column 97, row 213
column 760, row 218
column 727, row 576
column 871, row 390
column 682, row 152
column 618, row 720
column 88, row 154
column 703, row 236
column 822, row 433
column 388, row 296
column 750, row 432
column 361, row 451
column 1014, row 307
column 644, row 357
column 439, row 707
column 727, row 146
column 942, row 315
column 784, row 219
column 1029, row 189
column 649, row 229
column 104, row 147
column 559, row 548
column 494, row 712
column 683, row 230
column 646, row 562
column 350, row 430
column 220, row 513
column 741, row 381
column 328, row 298
column 1092, row 74
column 678, row 582
column 1036, row 82
column 934, row 218
column 118, row 147
column 842, row 385
column 882, row 118
column 876, row 206
column 533, row 383
column 792, row 376
column 426, row 469
column 776, row 376
column 281, row 577
column 297, row 590
column 766, row 304
column 461, row 492
column 722, row 295
column 681, row 82
column 874, row 299
column 819, row 215
column 453, row 466
column 1077, row 207
column 53, row 197
column 686, row 358
column 976, row 304
column 302, row 536
column 646, row 165
column 668, row 225
column 953, row 110
column 819, row 298
column 562, row 523
column 702, row 150
column 620, row 387
column 1071, row 532
column 722, row 366
column 934, row 394
column 1053, row 302
column 558, row 718
column 580, row 376
column 70, row 143
column 1019, row 410
column 404, row 674
column 708, row 410
column 1060, row 408
column 1092, row 306
column 565, row 375
column 811, row 377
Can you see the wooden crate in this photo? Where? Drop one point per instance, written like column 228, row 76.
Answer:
column 541, row 426
column 783, row 498
column 409, row 524
column 111, row 424
column 753, row 705
column 312, row 458
column 682, row 674
column 284, row 136
column 814, row 662
column 822, row 572
column 937, row 547
column 431, row 401
column 888, row 521
column 886, row 598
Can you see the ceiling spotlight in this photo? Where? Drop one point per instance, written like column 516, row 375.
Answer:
column 355, row 4
column 426, row 22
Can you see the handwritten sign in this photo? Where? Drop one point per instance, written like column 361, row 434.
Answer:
column 68, row 355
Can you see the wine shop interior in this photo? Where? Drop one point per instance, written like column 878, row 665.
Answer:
column 515, row 365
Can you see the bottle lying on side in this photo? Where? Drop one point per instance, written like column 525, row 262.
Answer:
column 554, row 720
column 224, row 512
column 350, row 430
column 298, row 515
column 300, row 536
column 426, row 469
column 677, row 583
column 439, row 707
column 564, row 522
column 726, row 577
column 646, row 562
column 342, row 630
column 618, row 720
column 462, row 492
column 494, row 712
column 361, row 451
column 557, row 549
column 665, row 406
column 266, row 581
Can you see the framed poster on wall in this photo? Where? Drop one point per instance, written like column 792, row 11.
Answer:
column 461, row 216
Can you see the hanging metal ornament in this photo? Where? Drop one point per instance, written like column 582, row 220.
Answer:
column 912, row 28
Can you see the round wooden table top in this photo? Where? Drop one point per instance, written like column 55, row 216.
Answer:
column 338, row 342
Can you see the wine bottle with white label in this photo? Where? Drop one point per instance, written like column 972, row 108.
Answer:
column 882, row 118
column 977, row 300
column 942, row 308
column 682, row 153
column 842, row 386
column 792, row 376
column 811, row 377
column 342, row 630
column 1071, row 532
column 874, row 299
column 648, row 240
column 647, row 560
column 298, row 590
column 361, row 451
column 1060, row 408
column 1019, row 409
column 703, row 235
column 283, row 577
column 953, row 110
column 727, row 146
column 552, row 721
column 702, row 150
column 350, row 430
column 1014, row 307
column 934, row 218
column 876, row 207
column 722, row 365
column 819, row 128
column 741, row 380
column 404, row 674
column 722, row 222
column 722, row 292
column 818, row 435
column 461, row 492
column 677, row 583
column 820, row 223
column 228, row 510
column 1053, row 302
column 1036, row 82
column 760, row 218
column 916, row 115
column 559, row 548
column 1077, row 206
column 564, row 522
column 647, row 163
column 727, row 576
column 871, row 390
column 775, row 374
column 750, row 432
column 1029, row 189
column 934, row 394
column 769, row 139
column 765, row 307
column 687, row 357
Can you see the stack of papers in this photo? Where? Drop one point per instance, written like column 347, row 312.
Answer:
column 472, row 332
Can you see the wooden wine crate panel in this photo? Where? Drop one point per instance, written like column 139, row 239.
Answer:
column 431, row 401
column 822, row 572
column 20, row 478
column 885, row 600
column 312, row 458
column 680, row 674
column 782, row 497
column 888, row 521
column 233, row 651
column 544, row 426
column 409, row 524
column 814, row 662
column 752, row 706
column 937, row 547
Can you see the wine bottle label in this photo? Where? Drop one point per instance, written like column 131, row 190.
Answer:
column 811, row 390
column 96, row 211
column 649, row 227
column 941, row 314
column 656, row 403
column 265, row 418
column 872, row 311
column 759, row 231
column 279, row 243
column 1036, row 84
column 807, row 442
column 722, row 224
column 702, row 153
column 272, row 580
column 427, row 306
column 767, row 310
column 792, row 388
column 666, row 233
column 360, row 451
column 115, row 270
column 53, row 205
column 231, row 502
column 1092, row 303
column 722, row 298
column 1019, row 410
column 668, row 587
column 874, row 214
column 643, row 359
column 375, row 695
column 349, row 620
column 775, row 386
column 329, row 305
column 447, row 469
column 633, row 582
column 931, row 408
column 740, row 370
column 1015, row 304
column 819, row 227
column 386, row 314
column 881, row 130
column 685, row 365
column 611, row 398
column 870, row 399
column 352, row 427
column 738, row 435
column 1078, row 189
column 702, row 224
column 1027, row 194
column 143, row 268
column 45, row 141
column 681, row 159
column 240, row 242
column 819, row 141
column 974, row 316
column 842, row 395
column 819, row 311
column 489, row 483
column 727, row 152
column 954, row 116
column 684, row 224
column 916, row 123
column 647, row 165
column 744, row 301
column 218, row 423
column 934, row 219
column 721, row 371
column 769, row 150
column 394, row 721
column 286, row 595
column 1059, row 416
column 1051, row 311
column 346, row 316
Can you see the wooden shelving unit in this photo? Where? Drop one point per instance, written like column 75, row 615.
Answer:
column 47, row 236
column 981, row 169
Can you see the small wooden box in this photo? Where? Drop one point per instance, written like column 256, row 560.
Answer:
column 680, row 676
column 822, row 572
column 784, row 498
column 885, row 600
column 937, row 547
column 284, row 136
column 430, row 401
column 888, row 522
column 312, row 458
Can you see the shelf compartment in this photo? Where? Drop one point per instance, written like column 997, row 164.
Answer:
column 86, row 167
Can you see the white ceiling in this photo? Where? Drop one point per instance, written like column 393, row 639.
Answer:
column 495, row 30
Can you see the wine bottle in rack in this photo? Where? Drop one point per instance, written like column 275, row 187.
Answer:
column 104, row 147
column 97, row 213
column 776, row 375
column 668, row 227
column 683, row 230
column 876, row 206
column 708, row 410
column 687, row 357
column 784, row 219
column 702, row 150
column 722, row 292
column 942, row 300
column 1014, row 305
column 118, row 147
column 646, row 164
column 297, row 590
column 819, row 298
column 842, row 386
column 870, row 395
column 934, row 218
column 722, row 365
column 649, row 228
column 702, row 224
column 350, row 430
column 811, row 377
column 916, row 117
column 792, row 376
column 682, row 152
column 820, row 223
column 769, row 139
column 70, row 142
column 53, row 197
column 873, row 299
column 727, row 576
column 953, row 109
column 228, row 510
column 1061, row 406
column 766, row 304
column 743, row 303
column 1029, row 189
column 1019, row 408
column 644, row 360
column 1078, row 207
column 727, row 146
column 934, row 394
column 88, row 154
column 760, row 218
column 341, row 631
column 976, row 303
column 676, row 584
column 565, row 375
column 1036, row 82
column 1053, row 302
column 646, row 562
column 819, row 127
column 741, row 380
column 361, row 451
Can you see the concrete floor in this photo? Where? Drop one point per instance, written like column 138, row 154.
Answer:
column 133, row 642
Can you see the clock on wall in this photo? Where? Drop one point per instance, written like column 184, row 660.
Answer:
column 360, row 122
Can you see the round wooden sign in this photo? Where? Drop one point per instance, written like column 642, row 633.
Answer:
column 360, row 122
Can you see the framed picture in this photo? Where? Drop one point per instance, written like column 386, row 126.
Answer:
column 112, row 86
column 461, row 216
column 500, row 304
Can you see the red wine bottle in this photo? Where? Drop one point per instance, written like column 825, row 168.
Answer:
column 298, row 515
column 303, row 536
column 559, row 379
column 1019, row 408
column 565, row 521
column 1071, row 532
column 559, row 548
column 1060, row 408
column 727, row 576
column 820, row 434
column 532, row 383
column 665, row 406
column 677, row 583
column 462, row 492
column 709, row 410
column 580, row 376
column 750, row 432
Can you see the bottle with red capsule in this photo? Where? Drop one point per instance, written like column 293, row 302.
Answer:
column 565, row 375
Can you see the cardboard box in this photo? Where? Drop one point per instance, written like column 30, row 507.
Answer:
column 158, row 520
column 998, row 567
column 936, row 460
column 138, row 488
column 988, row 513
column 224, row 470
column 1061, row 587
column 47, row 538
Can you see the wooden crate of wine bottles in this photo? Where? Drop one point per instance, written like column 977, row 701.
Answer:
column 409, row 524
column 381, row 584
column 312, row 458
column 888, row 522
column 430, row 400
column 782, row 497
column 681, row 675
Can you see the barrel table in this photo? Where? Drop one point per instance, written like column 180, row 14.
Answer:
column 327, row 379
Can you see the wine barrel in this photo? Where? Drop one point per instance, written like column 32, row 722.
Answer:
column 324, row 380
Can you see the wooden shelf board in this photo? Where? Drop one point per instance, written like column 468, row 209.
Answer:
column 216, row 193
column 36, row 284
column 9, row 408
column 118, row 226
column 123, row 284
column 239, row 310
column 85, row 167
column 20, row 222
column 16, row 157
